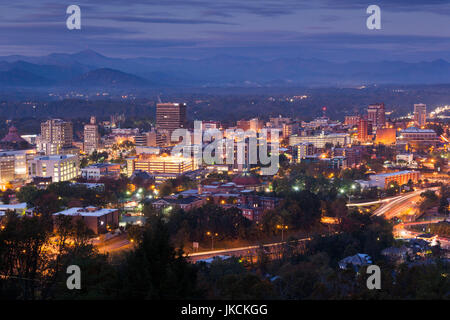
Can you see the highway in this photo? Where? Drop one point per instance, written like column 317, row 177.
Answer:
column 401, row 204
column 407, row 204
column 371, row 203
column 241, row 251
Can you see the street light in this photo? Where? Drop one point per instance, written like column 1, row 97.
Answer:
column 282, row 227
column 212, row 235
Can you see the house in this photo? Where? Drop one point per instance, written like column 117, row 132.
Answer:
column 99, row 220
column 397, row 254
column 186, row 204
column 356, row 261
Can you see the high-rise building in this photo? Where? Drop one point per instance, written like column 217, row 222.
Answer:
column 377, row 114
column 169, row 117
column 352, row 120
column 290, row 129
column 91, row 136
column 256, row 125
column 363, row 130
column 243, row 125
column 140, row 140
column 302, row 150
column 56, row 134
column 420, row 114
column 277, row 122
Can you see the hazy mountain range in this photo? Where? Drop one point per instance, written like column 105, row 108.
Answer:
column 89, row 69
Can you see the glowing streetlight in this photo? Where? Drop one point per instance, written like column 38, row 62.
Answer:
column 282, row 227
column 212, row 235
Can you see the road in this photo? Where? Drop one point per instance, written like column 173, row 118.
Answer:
column 371, row 203
column 237, row 252
column 401, row 204
column 115, row 244
column 406, row 204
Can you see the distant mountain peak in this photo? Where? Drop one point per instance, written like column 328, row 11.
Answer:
column 89, row 53
column 105, row 77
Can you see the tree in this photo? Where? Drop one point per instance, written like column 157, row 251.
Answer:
column 155, row 270
column 5, row 196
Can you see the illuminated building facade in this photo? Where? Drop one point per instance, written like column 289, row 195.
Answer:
column 352, row 120
column 56, row 134
column 420, row 114
column 57, row 167
column 91, row 137
column 364, row 130
column 386, row 136
column 163, row 167
column 319, row 141
column 401, row 177
column 169, row 117
column 377, row 115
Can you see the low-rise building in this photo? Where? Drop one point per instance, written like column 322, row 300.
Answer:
column 162, row 167
column 101, row 170
column 383, row 180
column 99, row 220
column 319, row 141
column 58, row 167
column 356, row 261
column 187, row 203
column 417, row 138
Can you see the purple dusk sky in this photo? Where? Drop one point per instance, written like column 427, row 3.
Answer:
column 335, row 30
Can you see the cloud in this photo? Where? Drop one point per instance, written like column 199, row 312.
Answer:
column 164, row 20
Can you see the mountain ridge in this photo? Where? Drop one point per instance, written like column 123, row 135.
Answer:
column 62, row 69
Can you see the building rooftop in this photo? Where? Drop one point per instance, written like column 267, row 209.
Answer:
column 13, row 136
column 56, row 157
column 85, row 212
column 101, row 165
column 391, row 174
column 16, row 206
column 186, row 200
column 417, row 130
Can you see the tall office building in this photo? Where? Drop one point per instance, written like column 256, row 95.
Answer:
column 91, row 136
column 56, row 134
column 420, row 114
column 377, row 115
column 169, row 117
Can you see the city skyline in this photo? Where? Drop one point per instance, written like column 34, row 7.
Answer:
column 228, row 156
